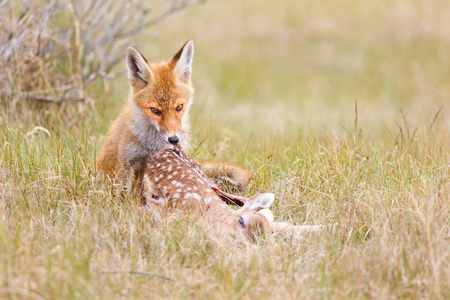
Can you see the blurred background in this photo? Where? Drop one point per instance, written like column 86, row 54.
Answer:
column 299, row 67
column 262, row 69
column 339, row 107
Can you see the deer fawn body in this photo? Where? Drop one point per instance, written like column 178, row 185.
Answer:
column 173, row 182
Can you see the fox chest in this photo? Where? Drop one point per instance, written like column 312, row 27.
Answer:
column 136, row 155
column 146, row 144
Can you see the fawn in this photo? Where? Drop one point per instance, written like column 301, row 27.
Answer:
column 173, row 182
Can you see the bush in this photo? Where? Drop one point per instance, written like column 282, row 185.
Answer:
column 52, row 52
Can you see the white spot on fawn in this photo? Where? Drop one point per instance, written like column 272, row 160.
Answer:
column 197, row 196
column 177, row 184
column 147, row 182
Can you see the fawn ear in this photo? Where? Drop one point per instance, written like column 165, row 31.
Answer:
column 139, row 72
column 182, row 62
column 258, row 202
column 268, row 214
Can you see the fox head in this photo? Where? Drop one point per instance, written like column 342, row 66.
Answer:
column 162, row 91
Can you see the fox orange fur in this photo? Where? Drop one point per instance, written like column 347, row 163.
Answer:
column 155, row 117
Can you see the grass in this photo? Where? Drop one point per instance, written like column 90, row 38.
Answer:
column 276, row 87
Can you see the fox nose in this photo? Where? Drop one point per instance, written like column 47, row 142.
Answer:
column 174, row 140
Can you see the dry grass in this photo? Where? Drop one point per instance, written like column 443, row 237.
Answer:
column 276, row 87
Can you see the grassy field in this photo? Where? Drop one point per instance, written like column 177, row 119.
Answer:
column 339, row 107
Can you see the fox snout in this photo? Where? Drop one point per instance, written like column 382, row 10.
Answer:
column 173, row 136
column 173, row 139
column 172, row 130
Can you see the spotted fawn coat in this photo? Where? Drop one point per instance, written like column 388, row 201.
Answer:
column 173, row 182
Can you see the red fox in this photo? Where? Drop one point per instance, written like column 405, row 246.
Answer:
column 155, row 118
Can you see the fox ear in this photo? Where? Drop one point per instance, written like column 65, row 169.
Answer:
column 182, row 62
column 138, row 70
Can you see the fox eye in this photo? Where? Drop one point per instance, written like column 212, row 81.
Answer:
column 179, row 107
column 241, row 221
column 155, row 111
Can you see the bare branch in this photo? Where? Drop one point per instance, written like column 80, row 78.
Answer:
column 173, row 9
column 40, row 55
column 56, row 99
